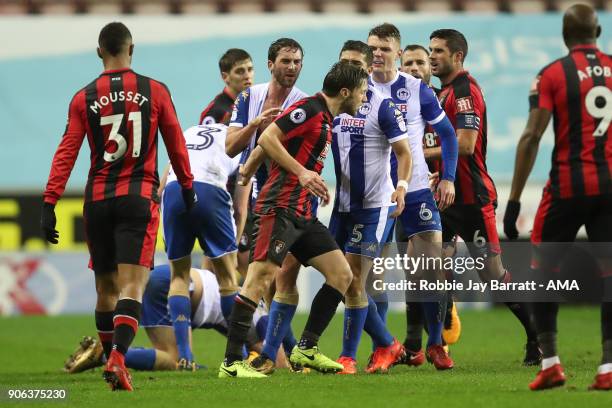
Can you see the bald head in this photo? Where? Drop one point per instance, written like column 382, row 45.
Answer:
column 580, row 25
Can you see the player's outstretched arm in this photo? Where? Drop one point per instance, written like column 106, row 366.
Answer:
column 238, row 138
column 270, row 141
column 526, row 153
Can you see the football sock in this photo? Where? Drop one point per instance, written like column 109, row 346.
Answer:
column 521, row 311
column 434, row 318
column 375, row 327
column 238, row 327
column 382, row 305
column 180, row 313
column 549, row 362
column 606, row 332
column 261, row 326
column 140, row 358
column 605, row 368
column 227, row 302
column 322, row 311
column 105, row 327
column 127, row 314
column 545, row 318
column 279, row 327
column 414, row 326
column 354, row 319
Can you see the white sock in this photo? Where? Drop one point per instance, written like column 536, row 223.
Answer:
column 550, row 361
column 605, row 368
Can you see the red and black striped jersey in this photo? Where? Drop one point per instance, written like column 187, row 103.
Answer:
column 219, row 110
column 307, row 125
column 431, row 139
column 465, row 107
column 576, row 89
column 120, row 112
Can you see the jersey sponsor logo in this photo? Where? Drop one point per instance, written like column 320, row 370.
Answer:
column 279, row 246
column 298, row 116
column 352, row 125
column 399, row 118
column 465, row 104
column 402, row 94
column 365, row 108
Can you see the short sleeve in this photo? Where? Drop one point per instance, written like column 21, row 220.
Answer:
column 240, row 112
column 391, row 121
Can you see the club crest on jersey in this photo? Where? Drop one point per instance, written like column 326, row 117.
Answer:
column 365, row 108
column 279, row 246
column 403, row 94
column 298, row 116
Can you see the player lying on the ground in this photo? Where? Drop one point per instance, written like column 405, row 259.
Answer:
column 206, row 314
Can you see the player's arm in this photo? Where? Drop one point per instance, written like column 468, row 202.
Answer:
column 540, row 108
column 248, row 169
column 450, row 144
column 62, row 165
column 271, row 143
column 175, row 145
column 240, row 202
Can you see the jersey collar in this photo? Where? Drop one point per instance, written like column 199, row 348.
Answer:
column 115, row 71
column 580, row 47
column 463, row 72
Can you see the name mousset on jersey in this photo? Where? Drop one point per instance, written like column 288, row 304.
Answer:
column 120, row 96
column 594, row 71
column 352, row 125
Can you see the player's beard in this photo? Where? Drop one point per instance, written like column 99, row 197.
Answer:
column 348, row 107
column 284, row 80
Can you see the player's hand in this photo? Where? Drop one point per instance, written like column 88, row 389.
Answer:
column 434, row 179
column 315, row 184
column 267, row 116
column 189, row 198
column 246, row 175
column 47, row 223
column 445, row 194
column 510, row 216
column 399, row 197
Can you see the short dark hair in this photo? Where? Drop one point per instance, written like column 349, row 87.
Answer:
column 231, row 57
column 361, row 47
column 113, row 37
column 386, row 30
column 454, row 40
column 281, row 43
column 343, row 74
column 414, row 47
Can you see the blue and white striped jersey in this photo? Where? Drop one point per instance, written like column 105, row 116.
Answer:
column 418, row 103
column 361, row 146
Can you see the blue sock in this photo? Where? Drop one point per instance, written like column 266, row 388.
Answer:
column 382, row 305
column 140, row 358
column 434, row 319
column 279, row 323
column 289, row 341
column 227, row 303
column 375, row 327
column 354, row 319
column 180, row 312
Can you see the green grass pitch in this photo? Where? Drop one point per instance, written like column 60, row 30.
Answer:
column 487, row 370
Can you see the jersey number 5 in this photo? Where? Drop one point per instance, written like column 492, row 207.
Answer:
column 115, row 121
